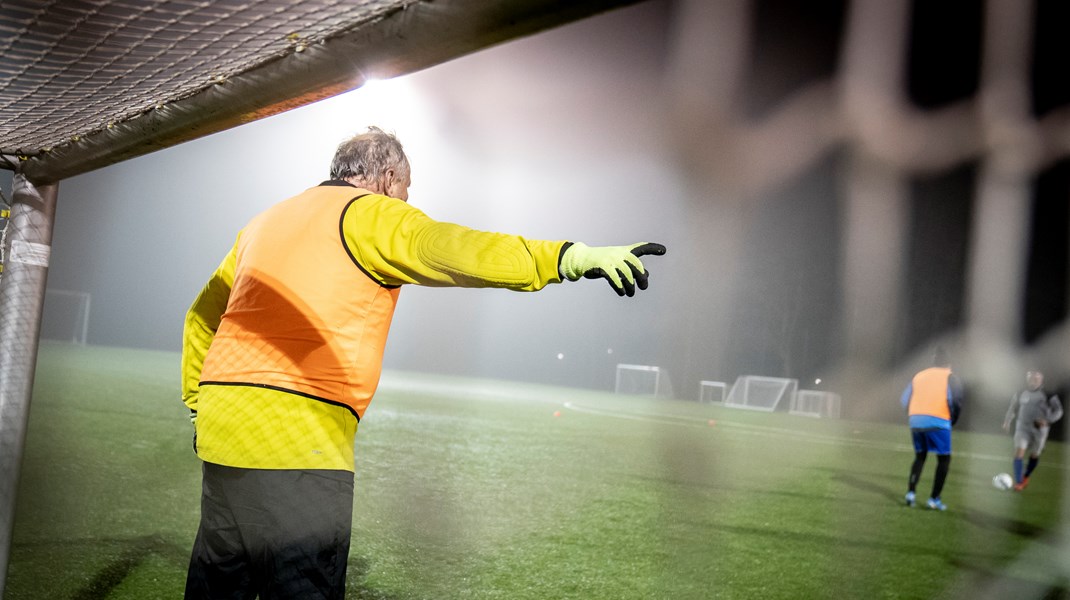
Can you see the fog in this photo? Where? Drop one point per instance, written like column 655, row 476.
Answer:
column 814, row 227
column 558, row 136
column 842, row 187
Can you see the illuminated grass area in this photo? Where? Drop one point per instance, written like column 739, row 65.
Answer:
column 475, row 489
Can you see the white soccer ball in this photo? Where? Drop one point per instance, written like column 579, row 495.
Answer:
column 1003, row 481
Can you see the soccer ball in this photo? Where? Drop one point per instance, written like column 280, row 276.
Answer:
column 1003, row 481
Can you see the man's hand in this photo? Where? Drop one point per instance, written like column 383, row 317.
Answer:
column 1040, row 423
column 619, row 265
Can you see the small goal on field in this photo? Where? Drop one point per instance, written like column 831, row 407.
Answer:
column 815, row 403
column 755, row 392
column 712, row 392
column 66, row 316
column 643, row 380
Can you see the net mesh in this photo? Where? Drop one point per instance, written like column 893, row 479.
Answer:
column 66, row 316
column 642, row 380
column 762, row 393
column 712, row 392
column 68, row 69
column 26, row 244
column 862, row 107
column 5, row 214
column 815, row 403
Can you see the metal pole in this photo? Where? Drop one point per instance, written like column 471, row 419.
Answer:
column 22, row 295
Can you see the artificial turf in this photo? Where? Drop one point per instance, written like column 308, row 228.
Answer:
column 475, row 489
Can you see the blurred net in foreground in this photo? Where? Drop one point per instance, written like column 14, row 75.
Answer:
column 863, row 108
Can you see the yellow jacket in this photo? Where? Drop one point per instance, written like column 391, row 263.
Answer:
column 282, row 349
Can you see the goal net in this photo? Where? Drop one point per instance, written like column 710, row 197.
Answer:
column 712, row 392
column 814, row 403
column 66, row 316
column 643, row 380
column 768, row 394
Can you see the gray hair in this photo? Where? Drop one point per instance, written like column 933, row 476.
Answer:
column 368, row 156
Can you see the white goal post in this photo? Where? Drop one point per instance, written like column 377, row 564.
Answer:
column 815, row 403
column 712, row 392
column 643, row 380
column 66, row 316
column 755, row 392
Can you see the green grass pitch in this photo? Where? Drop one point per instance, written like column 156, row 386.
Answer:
column 470, row 489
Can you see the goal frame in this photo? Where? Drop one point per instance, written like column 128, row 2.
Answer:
column 705, row 385
column 662, row 386
column 736, row 398
column 79, row 329
column 817, row 404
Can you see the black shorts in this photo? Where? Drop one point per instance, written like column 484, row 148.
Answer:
column 276, row 533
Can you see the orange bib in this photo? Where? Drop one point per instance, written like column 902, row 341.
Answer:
column 929, row 393
column 302, row 317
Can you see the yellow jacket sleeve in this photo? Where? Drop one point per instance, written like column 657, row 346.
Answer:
column 397, row 243
column 202, row 321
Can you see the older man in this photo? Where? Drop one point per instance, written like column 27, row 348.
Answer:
column 1035, row 411
column 283, row 350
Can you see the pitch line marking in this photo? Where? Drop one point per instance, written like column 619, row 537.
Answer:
column 765, row 430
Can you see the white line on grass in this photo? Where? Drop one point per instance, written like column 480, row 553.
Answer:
column 766, row 430
column 466, row 389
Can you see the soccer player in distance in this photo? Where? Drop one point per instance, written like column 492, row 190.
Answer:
column 933, row 400
column 282, row 353
column 1035, row 411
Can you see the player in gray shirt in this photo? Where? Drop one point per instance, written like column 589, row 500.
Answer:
column 1035, row 411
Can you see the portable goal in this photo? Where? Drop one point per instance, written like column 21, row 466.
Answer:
column 66, row 316
column 815, row 403
column 643, row 380
column 712, row 392
column 767, row 394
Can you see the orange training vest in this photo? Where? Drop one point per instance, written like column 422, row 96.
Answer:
column 929, row 393
column 302, row 317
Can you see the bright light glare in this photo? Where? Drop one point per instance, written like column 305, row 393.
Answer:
column 392, row 104
column 384, row 102
column 395, row 105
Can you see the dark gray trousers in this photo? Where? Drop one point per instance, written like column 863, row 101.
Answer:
column 282, row 534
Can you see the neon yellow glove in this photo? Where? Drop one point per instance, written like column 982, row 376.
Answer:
column 619, row 265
